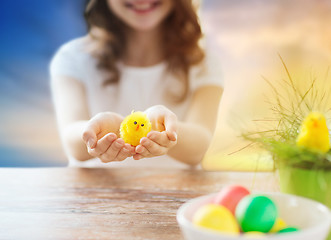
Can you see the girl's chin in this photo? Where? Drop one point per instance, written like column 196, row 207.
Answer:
column 144, row 27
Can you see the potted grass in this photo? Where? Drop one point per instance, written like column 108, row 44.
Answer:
column 300, row 141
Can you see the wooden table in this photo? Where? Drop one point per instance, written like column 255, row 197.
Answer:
column 122, row 203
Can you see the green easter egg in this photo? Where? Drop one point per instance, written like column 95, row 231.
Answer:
column 256, row 213
column 288, row 229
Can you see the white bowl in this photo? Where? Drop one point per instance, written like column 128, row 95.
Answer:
column 313, row 219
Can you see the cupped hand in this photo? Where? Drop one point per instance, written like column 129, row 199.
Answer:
column 163, row 135
column 101, row 138
column 110, row 148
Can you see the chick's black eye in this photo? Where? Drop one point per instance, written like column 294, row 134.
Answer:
column 142, row 125
column 135, row 123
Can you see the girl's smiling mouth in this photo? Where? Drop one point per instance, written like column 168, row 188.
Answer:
column 143, row 6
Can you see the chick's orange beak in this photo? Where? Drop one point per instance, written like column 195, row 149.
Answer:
column 315, row 123
column 137, row 128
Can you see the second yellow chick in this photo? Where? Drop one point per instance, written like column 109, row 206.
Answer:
column 134, row 127
column 314, row 133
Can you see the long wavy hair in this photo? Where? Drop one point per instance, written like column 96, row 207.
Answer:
column 181, row 35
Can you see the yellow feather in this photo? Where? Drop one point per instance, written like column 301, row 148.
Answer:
column 314, row 133
column 134, row 127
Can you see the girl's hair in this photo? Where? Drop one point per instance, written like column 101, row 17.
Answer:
column 181, row 35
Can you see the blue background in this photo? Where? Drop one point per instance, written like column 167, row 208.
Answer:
column 31, row 32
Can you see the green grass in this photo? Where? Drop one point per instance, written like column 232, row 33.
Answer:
column 289, row 105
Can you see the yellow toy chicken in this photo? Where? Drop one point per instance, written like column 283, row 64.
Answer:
column 134, row 127
column 314, row 133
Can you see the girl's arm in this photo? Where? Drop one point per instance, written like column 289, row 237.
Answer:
column 194, row 133
column 78, row 131
column 72, row 114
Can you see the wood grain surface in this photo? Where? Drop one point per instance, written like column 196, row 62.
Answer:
column 122, row 203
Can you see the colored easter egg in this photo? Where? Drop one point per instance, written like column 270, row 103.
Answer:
column 256, row 213
column 254, row 235
column 217, row 218
column 279, row 224
column 230, row 196
column 288, row 229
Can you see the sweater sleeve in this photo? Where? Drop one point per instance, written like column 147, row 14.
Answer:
column 68, row 61
column 208, row 73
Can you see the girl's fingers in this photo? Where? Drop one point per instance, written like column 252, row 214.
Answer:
column 130, row 148
column 102, row 145
column 137, row 156
column 164, row 139
column 142, row 151
column 172, row 136
column 160, row 138
column 155, row 144
column 124, row 153
column 152, row 147
column 113, row 151
column 90, row 135
column 170, row 123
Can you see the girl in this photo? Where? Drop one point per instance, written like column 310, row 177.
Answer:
column 140, row 55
